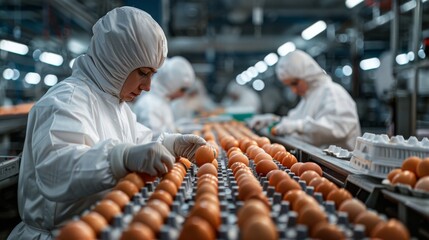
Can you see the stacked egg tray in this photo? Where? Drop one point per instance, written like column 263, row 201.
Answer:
column 377, row 154
column 284, row 218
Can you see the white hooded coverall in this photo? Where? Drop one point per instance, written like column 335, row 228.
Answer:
column 73, row 127
column 153, row 109
column 326, row 114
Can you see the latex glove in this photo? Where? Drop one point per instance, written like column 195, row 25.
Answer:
column 286, row 127
column 261, row 121
column 152, row 158
column 182, row 145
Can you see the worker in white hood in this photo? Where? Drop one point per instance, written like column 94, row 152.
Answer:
column 326, row 114
column 153, row 109
column 241, row 97
column 82, row 137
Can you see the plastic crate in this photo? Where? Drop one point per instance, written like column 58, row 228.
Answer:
column 377, row 155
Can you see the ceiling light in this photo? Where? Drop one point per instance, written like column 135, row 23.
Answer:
column 313, row 30
column 16, row 74
column 13, row 47
column 271, row 59
column 8, row 74
column 51, row 58
column 252, row 71
column 402, row 59
column 286, row 48
column 32, row 78
column 421, row 53
column 77, row 47
column 407, row 6
column 239, row 79
column 258, row 85
column 347, row 70
column 352, row 3
column 370, row 63
column 50, row 80
column 261, row 66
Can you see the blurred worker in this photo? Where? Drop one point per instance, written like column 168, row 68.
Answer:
column 195, row 102
column 172, row 80
column 326, row 113
column 82, row 137
column 241, row 96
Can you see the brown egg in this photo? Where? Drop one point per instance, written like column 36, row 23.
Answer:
column 185, row 162
column 262, row 156
column 127, row 187
column 206, row 188
column 259, row 227
column 238, row 158
column 136, row 179
column 180, row 169
column 316, row 181
column 231, row 143
column 207, row 168
column 163, row 196
column 251, row 208
column 392, row 229
column 295, row 168
column 197, row 228
column 262, row 198
column 285, row 185
column 280, row 155
column 311, row 215
column 309, row 175
column 289, row 160
column 95, row 221
column 149, row 217
column 206, row 177
column 241, row 171
column 167, row 186
column 119, row 197
column 276, row 176
column 108, row 209
column 147, row 178
column 161, row 207
column 325, row 188
column 339, row 196
column 233, row 149
column 304, row 201
column 207, row 197
column 310, row 166
column 238, row 168
column 237, row 164
column 247, row 189
column 411, row 164
column 423, row 168
column 393, row 173
column 262, row 141
column 326, row 231
column 252, row 149
column 215, row 163
column 292, row 195
column 263, row 167
column 423, row 184
column 207, row 181
column 275, row 148
column 369, row 219
column 204, row 154
column 76, row 230
column 175, row 177
column 137, row 230
column 405, row 177
column 246, row 143
column 208, row 211
column 353, row 207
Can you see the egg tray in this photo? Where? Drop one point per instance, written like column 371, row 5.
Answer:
column 376, row 155
column 338, row 152
column 405, row 189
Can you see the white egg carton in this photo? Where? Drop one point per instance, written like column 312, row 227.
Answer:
column 405, row 189
column 377, row 154
column 338, row 152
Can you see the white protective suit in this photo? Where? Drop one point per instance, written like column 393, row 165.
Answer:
column 239, row 96
column 74, row 126
column 326, row 114
column 153, row 109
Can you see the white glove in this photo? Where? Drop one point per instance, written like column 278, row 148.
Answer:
column 286, row 126
column 261, row 121
column 151, row 158
column 182, row 145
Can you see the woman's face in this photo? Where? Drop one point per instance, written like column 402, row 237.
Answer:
column 137, row 81
column 298, row 86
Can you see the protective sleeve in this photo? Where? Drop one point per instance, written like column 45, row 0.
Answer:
column 70, row 161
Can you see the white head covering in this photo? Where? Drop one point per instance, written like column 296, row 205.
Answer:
column 176, row 73
column 125, row 39
column 298, row 64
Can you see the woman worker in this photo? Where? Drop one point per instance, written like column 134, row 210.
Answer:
column 326, row 114
column 81, row 135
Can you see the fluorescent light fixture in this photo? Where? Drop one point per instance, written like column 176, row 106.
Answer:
column 8, row 74
column 402, row 59
column 347, row 70
column 32, row 78
column 72, row 62
column 352, row 3
column 261, row 66
column 370, row 63
column 51, row 58
column 76, row 46
column 258, row 85
column 50, row 80
column 239, row 79
column 410, row 56
column 421, row 54
column 13, row 47
column 16, row 74
column 313, row 30
column 286, row 48
column 407, row 6
column 271, row 59
column 246, row 77
column 252, row 71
